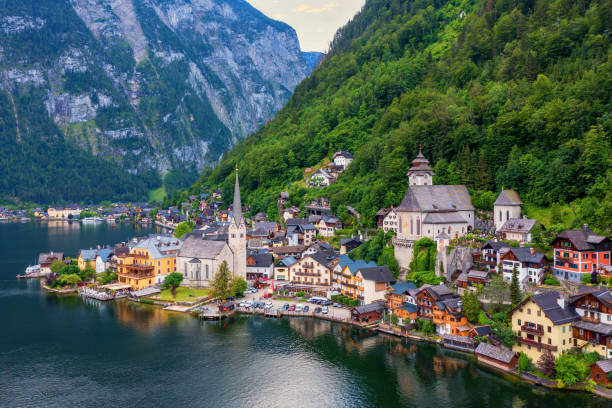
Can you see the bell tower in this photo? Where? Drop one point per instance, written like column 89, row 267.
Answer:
column 420, row 174
column 237, row 234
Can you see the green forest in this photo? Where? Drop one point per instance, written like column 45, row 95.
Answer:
column 500, row 93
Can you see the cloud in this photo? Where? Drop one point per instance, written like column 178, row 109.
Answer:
column 307, row 9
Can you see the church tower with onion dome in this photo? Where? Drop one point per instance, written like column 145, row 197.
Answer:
column 420, row 174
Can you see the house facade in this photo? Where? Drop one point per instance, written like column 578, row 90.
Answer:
column 401, row 301
column 87, row 257
column 322, row 178
column 259, row 265
column 507, row 206
column 391, row 221
column 543, row 322
column 594, row 331
column 579, row 252
column 327, row 226
column 342, row 159
column 313, row 269
column 518, row 229
column 530, row 265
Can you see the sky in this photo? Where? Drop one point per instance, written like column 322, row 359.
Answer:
column 315, row 21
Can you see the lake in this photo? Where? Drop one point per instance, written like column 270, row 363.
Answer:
column 66, row 351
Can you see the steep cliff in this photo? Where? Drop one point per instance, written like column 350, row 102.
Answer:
column 146, row 84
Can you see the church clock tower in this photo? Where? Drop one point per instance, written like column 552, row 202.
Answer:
column 237, row 234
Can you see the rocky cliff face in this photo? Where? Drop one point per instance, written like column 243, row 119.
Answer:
column 149, row 83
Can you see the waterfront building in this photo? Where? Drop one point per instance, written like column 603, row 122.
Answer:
column 199, row 260
column 103, row 259
column 368, row 313
column 430, row 211
column 315, row 269
column 401, row 301
column 259, row 265
column 345, row 269
column 499, row 357
column 46, row 259
column 368, row 284
column 579, row 252
column 281, row 269
column 87, row 257
column 149, row 261
column 601, row 372
column 506, row 207
column 543, row 322
column 594, row 331
column 69, row 212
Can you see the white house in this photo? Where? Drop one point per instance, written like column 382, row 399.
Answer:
column 327, row 226
column 259, row 265
column 342, row 159
column 391, row 221
column 518, row 229
column 530, row 265
column 375, row 281
column 322, row 178
column 103, row 257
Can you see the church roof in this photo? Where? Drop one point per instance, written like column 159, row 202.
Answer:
column 197, row 247
column 420, row 164
column 436, row 198
column 452, row 217
column 508, row 197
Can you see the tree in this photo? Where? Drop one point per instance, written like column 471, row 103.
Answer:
column 87, row 274
column 546, row 363
column 570, row 369
column 524, row 363
column 184, row 227
column 594, row 276
column 471, row 306
column 69, row 280
column 497, row 290
column 107, row 277
column 222, row 284
column 172, row 282
column 394, row 319
column 56, row 266
column 407, row 321
column 239, row 285
column 515, row 290
column 507, row 336
column 586, row 278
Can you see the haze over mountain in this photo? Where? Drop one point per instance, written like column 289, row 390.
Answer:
column 140, row 85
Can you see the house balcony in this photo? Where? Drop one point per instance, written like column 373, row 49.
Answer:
column 305, row 273
column 532, row 330
column 534, row 343
column 350, row 285
column 591, row 319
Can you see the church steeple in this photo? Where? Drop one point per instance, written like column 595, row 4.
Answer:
column 420, row 174
column 237, row 207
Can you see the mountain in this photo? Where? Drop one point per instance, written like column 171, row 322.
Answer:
column 137, row 85
column 499, row 94
column 312, row 59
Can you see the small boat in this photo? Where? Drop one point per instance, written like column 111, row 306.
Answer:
column 32, row 269
column 91, row 220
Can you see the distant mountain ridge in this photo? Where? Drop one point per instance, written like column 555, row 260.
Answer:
column 152, row 84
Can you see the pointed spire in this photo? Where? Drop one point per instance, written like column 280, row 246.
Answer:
column 237, row 207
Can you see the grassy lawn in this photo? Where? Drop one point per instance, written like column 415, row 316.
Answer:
column 183, row 294
column 157, row 194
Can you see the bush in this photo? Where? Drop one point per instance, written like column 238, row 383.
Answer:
column 426, row 326
column 524, row 363
column 68, row 280
column 147, row 301
column 551, row 280
column 571, row 368
column 300, row 294
column 394, row 319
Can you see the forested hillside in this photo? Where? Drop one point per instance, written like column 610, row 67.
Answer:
column 499, row 93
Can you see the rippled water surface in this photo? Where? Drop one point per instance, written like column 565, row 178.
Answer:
column 63, row 351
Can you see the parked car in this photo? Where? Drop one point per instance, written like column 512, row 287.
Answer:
column 242, row 304
column 299, row 308
column 248, row 303
column 326, row 303
column 269, row 304
column 306, row 309
column 317, row 310
column 325, row 310
column 286, row 306
column 337, row 305
column 291, row 308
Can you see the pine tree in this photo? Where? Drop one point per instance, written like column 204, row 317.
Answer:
column 483, row 174
column 515, row 291
column 222, row 283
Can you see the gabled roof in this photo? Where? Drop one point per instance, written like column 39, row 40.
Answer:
column 436, row 198
column 400, row 288
column 583, row 239
column 372, row 307
column 49, row 257
column 452, row 217
column 105, row 254
column 603, row 295
column 197, row 247
column 354, row 265
column 286, row 261
column 605, row 365
column 508, row 197
column 495, row 245
column 483, row 330
column 496, row 353
column 523, row 225
column 378, row 274
column 601, row 328
column 524, row 255
column 323, row 257
column 262, row 260
column 88, row 254
column 344, row 241
column 547, row 301
column 343, row 153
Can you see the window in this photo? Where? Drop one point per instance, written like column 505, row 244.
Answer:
column 539, row 313
column 519, row 322
column 528, row 311
column 564, row 332
column 558, row 253
column 585, row 256
column 500, row 216
column 549, row 329
column 507, row 215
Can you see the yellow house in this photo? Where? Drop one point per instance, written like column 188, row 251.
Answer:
column 64, row 212
column 149, row 262
column 87, row 257
column 543, row 322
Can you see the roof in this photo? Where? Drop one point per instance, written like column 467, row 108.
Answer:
column 518, row 225
column 436, row 198
column 496, row 353
column 483, row 330
column 439, row 291
column 105, row 254
column 603, row 295
column 88, row 254
column 287, row 261
column 605, row 365
column 151, row 290
column 478, row 274
column 323, row 257
column 377, row 274
column 355, row 265
column 344, row 241
column 409, row 307
column 601, row 328
column 344, row 153
column 400, row 288
column 524, row 255
column 547, row 301
column 495, row 245
column 452, row 217
column 372, row 307
column 48, row 257
column 508, row 197
column 583, row 239
column 198, row 247
column 296, row 221
column 292, row 249
column 262, row 260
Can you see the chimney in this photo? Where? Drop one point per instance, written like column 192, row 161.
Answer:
column 561, row 301
column 585, row 227
column 531, row 251
column 459, row 304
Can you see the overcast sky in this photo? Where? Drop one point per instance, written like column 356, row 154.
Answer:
column 315, row 21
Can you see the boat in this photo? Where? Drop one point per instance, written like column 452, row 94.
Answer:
column 31, row 272
column 32, row 269
column 91, row 220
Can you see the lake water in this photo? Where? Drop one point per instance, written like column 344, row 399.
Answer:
column 69, row 352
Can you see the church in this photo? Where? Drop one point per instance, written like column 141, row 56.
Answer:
column 199, row 258
column 433, row 211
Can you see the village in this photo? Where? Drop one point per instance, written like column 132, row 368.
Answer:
column 540, row 309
